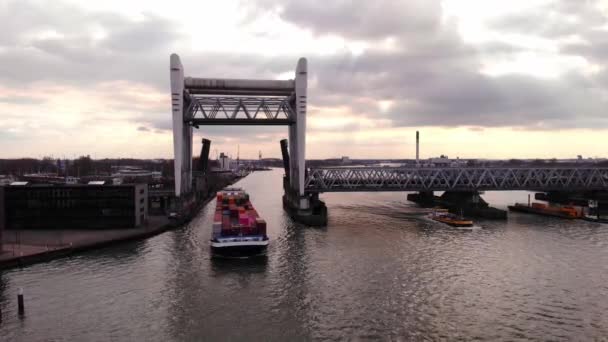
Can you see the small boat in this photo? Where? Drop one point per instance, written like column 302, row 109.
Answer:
column 592, row 214
column 238, row 230
column 595, row 219
column 450, row 219
column 567, row 212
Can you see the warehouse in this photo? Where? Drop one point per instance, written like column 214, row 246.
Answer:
column 91, row 206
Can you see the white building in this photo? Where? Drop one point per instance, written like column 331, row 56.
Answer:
column 444, row 161
column 224, row 162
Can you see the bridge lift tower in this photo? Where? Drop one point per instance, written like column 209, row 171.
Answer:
column 212, row 101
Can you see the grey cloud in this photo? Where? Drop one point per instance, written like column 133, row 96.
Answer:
column 434, row 79
column 22, row 100
column 19, row 19
column 594, row 49
column 359, row 20
column 143, row 129
column 366, row 19
column 555, row 19
column 505, row 101
column 431, row 75
column 561, row 19
column 428, row 92
column 135, row 37
column 134, row 50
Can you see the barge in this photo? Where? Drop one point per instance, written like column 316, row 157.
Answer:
column 238, row 230
column 566, row 212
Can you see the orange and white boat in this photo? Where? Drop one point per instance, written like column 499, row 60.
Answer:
column 567, row 212
column 450, row 219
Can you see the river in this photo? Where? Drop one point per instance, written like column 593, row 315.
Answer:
column 379, row 270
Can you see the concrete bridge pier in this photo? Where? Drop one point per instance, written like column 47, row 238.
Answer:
column 302, row 207
column 422, row 198
column 469, row 203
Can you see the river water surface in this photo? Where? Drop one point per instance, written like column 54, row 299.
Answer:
column 378, row 270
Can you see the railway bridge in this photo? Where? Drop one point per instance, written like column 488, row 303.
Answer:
column 456, row 179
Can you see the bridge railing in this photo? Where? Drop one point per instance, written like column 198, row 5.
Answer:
column 456, row 179
column 239, row 110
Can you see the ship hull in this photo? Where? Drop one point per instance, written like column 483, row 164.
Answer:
column 239, row 249
column 532, row 210
column 455, row 223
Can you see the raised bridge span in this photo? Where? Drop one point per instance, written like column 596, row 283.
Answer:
column 340, row 179
column 198, row 101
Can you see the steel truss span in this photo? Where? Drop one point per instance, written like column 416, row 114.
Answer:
column 456, row 179
column 216, row 110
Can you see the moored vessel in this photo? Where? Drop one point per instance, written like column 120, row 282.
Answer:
column 238, row 230
column 567, row 212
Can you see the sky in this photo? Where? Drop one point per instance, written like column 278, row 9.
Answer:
column 477, row 78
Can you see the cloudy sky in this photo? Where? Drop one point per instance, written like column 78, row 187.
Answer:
column 478, row 78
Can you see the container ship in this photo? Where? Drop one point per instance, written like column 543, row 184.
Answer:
column 237, row 228
column 567, row 212
column 450, row 219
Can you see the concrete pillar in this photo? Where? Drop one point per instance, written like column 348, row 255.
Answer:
column 2, row 216
column 182, row 133
column 301, row 85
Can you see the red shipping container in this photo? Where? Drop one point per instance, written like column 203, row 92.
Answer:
column 226, row 223
column 261, row 224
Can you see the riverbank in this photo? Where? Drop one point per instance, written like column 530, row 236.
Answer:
column 26, row 247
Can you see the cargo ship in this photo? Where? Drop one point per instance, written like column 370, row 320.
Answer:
column 238, row 230
column 567, row 212
column 450, row 219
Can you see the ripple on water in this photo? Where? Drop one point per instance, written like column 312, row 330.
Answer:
column 379, row 270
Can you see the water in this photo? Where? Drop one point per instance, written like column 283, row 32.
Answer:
column 379, row 270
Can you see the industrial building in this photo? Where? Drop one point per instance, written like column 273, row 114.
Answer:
column 75, row 206
column 224, row 162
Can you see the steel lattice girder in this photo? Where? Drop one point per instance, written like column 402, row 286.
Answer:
column 456, row 179
column 213, row 110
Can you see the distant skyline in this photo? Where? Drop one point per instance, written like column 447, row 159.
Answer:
column 478, row 79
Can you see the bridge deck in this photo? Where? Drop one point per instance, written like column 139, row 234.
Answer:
column 456, row 179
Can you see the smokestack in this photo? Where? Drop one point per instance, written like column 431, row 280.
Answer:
column 417, row 147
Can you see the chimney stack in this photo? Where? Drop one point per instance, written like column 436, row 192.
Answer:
column 417, row 147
